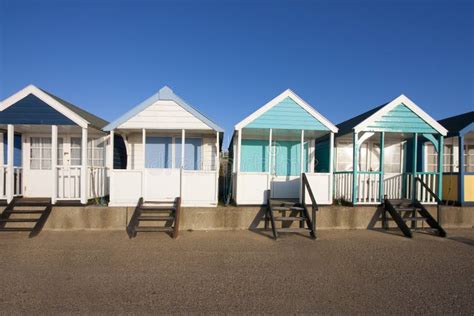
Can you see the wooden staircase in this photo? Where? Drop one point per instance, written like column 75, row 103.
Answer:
column 25, row 215
column 289, row 211
column 404, row 212
column 155, row 216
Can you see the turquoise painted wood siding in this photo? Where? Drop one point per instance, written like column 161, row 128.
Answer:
column 286, row 161
column 287, row 115
column 287, row 158
column 254, row 155
column 402, row 120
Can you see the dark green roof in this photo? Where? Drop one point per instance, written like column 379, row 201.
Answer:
column 456, row 123
column 348, row 125
column 93, row 120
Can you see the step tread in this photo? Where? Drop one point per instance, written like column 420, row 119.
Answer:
column 19, row 220
column 289, row 218
column 158, row 208
column 155, row 218
column 153, row 229
column 26, row 211
column 287, row 208
column 293, row 230
column 16, row 229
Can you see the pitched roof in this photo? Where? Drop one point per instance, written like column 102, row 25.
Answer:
column 93, row 120
column 287, row 96
column 376, row 118
column 72, row 112
column 164, row 93
column 457, row 123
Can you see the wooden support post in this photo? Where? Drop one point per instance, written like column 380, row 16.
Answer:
column 54, row 162
column 269, row 176
column 218, row 165
column 381, row 167
column 301, row 165
column 181, row 178
column 414, row 165
column 10, row 155
column 440, row 167
column 461, row 170
column 355, row 167
column 144, row 163
column 110, row 156
column 84, row 195
column 331, row 166
column 239, row 149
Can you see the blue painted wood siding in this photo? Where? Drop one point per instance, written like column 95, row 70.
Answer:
column 32, row 110
column 158, row 152
column 287, row 115
column 192, row 153
column 402, row 120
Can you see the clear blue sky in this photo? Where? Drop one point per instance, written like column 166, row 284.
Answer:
column 227, row 58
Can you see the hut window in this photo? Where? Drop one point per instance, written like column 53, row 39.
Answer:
column 75, row 151
column 469, row 157
column 392, row 157
column 344, row 156
column 40, row 153
column 432, row 158
column 96, row 152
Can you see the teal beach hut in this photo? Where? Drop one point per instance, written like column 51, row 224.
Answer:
column 376, row 154
column 272, row 147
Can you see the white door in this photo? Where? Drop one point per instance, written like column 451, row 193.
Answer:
column 69, row 167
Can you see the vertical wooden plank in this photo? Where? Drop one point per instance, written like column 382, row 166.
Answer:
column 269, row 177
column 301, row 164
column 414, row 163
column 355, row 166
column 110, row 156
column 440, row 166
column 10, row 153
column 461, row 170
column 181, row 178
column 54, row 161
column 218, row 165
column 84, row 164
column 381, row 167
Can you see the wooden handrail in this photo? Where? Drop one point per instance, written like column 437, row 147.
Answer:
column 305, row 184
column 437, row 199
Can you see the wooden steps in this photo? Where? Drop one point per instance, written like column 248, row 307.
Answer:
column 15, row 218
column 403, row 211
column 155, row 216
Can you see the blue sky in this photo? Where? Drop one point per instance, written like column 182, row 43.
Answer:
column 227, row 58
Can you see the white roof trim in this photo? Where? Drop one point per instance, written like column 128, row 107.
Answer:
column 408, row 103
column 278, row 99
column 31, row 89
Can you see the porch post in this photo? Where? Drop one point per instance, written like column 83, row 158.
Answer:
column 239, row 145
column 414, row 164
column 218, row 165
column 10, row 176
column 84, row 179
column 110, row 158
column 269, row 177
column 381, row 167
column 355, row 167
column 183, row 135
column 331, row 166
column 301, row 164
column 54, row 162
column 144, row 162
column 440, row 166
column 461, row 169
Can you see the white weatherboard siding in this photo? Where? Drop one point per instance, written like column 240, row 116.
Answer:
column 165, row 115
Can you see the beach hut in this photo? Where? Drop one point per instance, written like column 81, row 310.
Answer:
column 376, row 154
column 172, row 151
column 50, row 149
column 458, row 159
column 272, row 148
